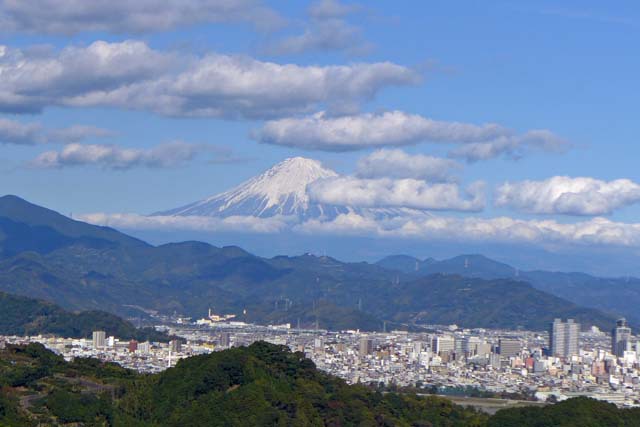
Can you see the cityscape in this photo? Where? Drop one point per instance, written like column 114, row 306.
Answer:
column 323, row 213
column 524, row 365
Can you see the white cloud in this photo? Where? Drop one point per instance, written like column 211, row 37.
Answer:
column 325, row 35
column 401, row 193
column 568, row 196
column 546, row 233
column 398, row 164
column 167, row 155
column 326, row 30
column 396, row 128
column 245, row 224
column 119, row 16
column 597, row 231
column 31, row 81
column 329, row 9
column 14, row 132
column 76, row 133
column 514, row 146
column 130, row 75
column 407, row 201
column 323, row 132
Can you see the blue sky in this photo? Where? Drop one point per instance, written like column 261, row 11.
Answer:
column 569, row 68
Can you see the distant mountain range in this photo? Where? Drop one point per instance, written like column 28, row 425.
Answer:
column 620, row 296
column 282, row 190
column 80, row 266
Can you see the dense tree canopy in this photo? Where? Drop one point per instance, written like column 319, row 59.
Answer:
column 259, row 385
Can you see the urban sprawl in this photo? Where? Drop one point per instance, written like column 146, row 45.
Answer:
column 546, row 366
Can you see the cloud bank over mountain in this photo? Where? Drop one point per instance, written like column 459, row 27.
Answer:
column 301, row 196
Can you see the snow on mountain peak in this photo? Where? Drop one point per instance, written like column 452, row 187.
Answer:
column 281, row 190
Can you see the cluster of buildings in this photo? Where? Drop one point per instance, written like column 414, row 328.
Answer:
column 144, row 356
column 559, row 364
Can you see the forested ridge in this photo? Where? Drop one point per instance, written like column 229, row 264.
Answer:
column 259, row 385
column 27, row 316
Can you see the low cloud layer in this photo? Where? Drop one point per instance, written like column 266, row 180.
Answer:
column 131, row 75
column 167, row 155
column 244, row 224
column 14, row 132
column 399, row 165
column 396, row 128
column 397, row 193
column 597, row 231
column 546, row 233
column 568, row 196
column 120, row 16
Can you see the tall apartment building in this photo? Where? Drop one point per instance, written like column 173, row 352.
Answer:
column 563, row 338
column 509, row 347
column 225, row 340
column 144, row 347
column 99, row 339
column 443, row 344
column 366, row 346
column 175, row 346
column 621, row 338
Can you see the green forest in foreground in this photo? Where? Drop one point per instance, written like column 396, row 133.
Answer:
column 259, row 385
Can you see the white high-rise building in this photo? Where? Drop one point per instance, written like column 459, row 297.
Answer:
column 99, row 339
column 563, row 338
column 443, row 344
column 144, row 347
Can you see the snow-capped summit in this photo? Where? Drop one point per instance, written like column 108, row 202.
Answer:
column 281, row 190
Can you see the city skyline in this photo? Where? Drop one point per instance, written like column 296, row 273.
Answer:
column 531, row 366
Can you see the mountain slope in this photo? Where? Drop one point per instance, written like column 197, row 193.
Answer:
column 619, row 296
column 403, row 263
column 82, row 273
column 472, row 265
column 27, row 316
column 281, row 190
column 498, row 303
column 15, row 211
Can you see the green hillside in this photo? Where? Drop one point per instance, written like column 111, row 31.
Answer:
column 27, row 316
column 78, row 266
column 259, row 385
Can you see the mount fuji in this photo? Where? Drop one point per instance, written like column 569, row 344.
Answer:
column 282, row 190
